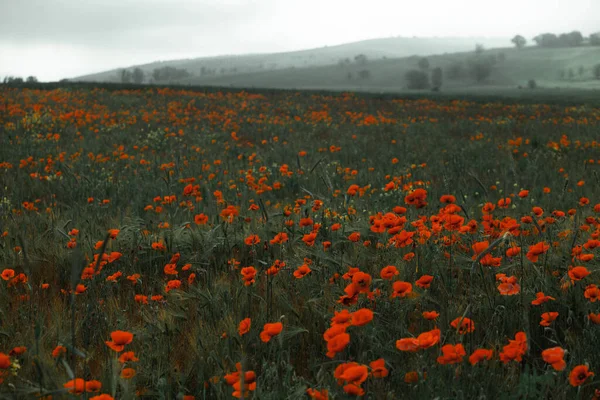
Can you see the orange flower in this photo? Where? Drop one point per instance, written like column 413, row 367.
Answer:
column 4, row 361
column 337, row 343
column 579, row 375
column 362, row 281
column 335, row 227
column 362, row 317
column 541, row 298
column 408, row 256
column 8, row 274
column 200, row 219
column 102, row 397
column 595, row 318
column 270, row 330
column 58, row 351
column 354, row 237
column 401, row 289
column 536, row 250
column 93, row 386
column 411, row 377
column 343, row 317
column 509, row 286
column 119, row 340
column 248, row 275
column 354, row 390
column 172, row 285
column 128, row 373
column 334, row 330
column 128, row 356
column 322, row 394
column 448, row 198
column 389, row 272
column 407, row 344
column 252, row 240
column 466, row 325
column 17, row 351
column 513, row 251
column 158, row 246
column 430, row 315
column 479, row 247
column 75, row 386
column 244, row 326
column 548, row 318
column 170, row 269
column 578, row 273
column 424, row 282
column 554, row 356
column 230, row 213
column 355, row 374
column 451, row 354
column 378, row 369
column 280, row 238
column 480, row 355
column 302, row 271
column 515, row 350
column 309, row 239
column 428, row 339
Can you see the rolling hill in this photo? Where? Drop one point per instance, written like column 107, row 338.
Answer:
column 334, row 68
column 514, row 68
column 395, row 47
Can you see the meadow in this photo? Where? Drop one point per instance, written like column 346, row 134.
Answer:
column 166, row 243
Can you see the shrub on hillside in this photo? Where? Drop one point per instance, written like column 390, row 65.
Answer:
column 416, row 79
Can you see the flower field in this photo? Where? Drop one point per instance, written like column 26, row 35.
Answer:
column 179, row 244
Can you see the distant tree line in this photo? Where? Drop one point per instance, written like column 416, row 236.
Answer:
column 17, row 80
column 163, row 74
column 136, row 76
column 552, row 40
column 167, row 74
column 478, row 68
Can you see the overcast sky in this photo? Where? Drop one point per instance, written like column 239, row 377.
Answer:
column 54, row 39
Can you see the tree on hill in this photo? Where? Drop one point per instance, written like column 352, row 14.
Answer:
column 138, row 76
column 125, row 76
column 455, row 71
column 31, row 79
column 166, row 74
column 12, row 80
column 546, row 40
column 416, row 79
column 436, row 78
column 519, row 41
column 597, row 71
column 360, row 59
column 595, row 39
column 571, row 39
column 364, row 74
column 480, row 68
column 423, row 63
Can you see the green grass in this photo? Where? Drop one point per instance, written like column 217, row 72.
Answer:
column 123, row 151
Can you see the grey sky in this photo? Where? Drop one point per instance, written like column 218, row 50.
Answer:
column 53, row 39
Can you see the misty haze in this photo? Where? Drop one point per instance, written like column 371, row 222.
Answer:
column 263, row 199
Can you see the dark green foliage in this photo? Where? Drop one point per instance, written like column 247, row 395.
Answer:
column 167, row 74
column 519, row 41
column 436, row 78
column 416, row 79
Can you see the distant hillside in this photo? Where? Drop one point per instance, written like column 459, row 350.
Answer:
column 550, row 68
column 234, row 65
